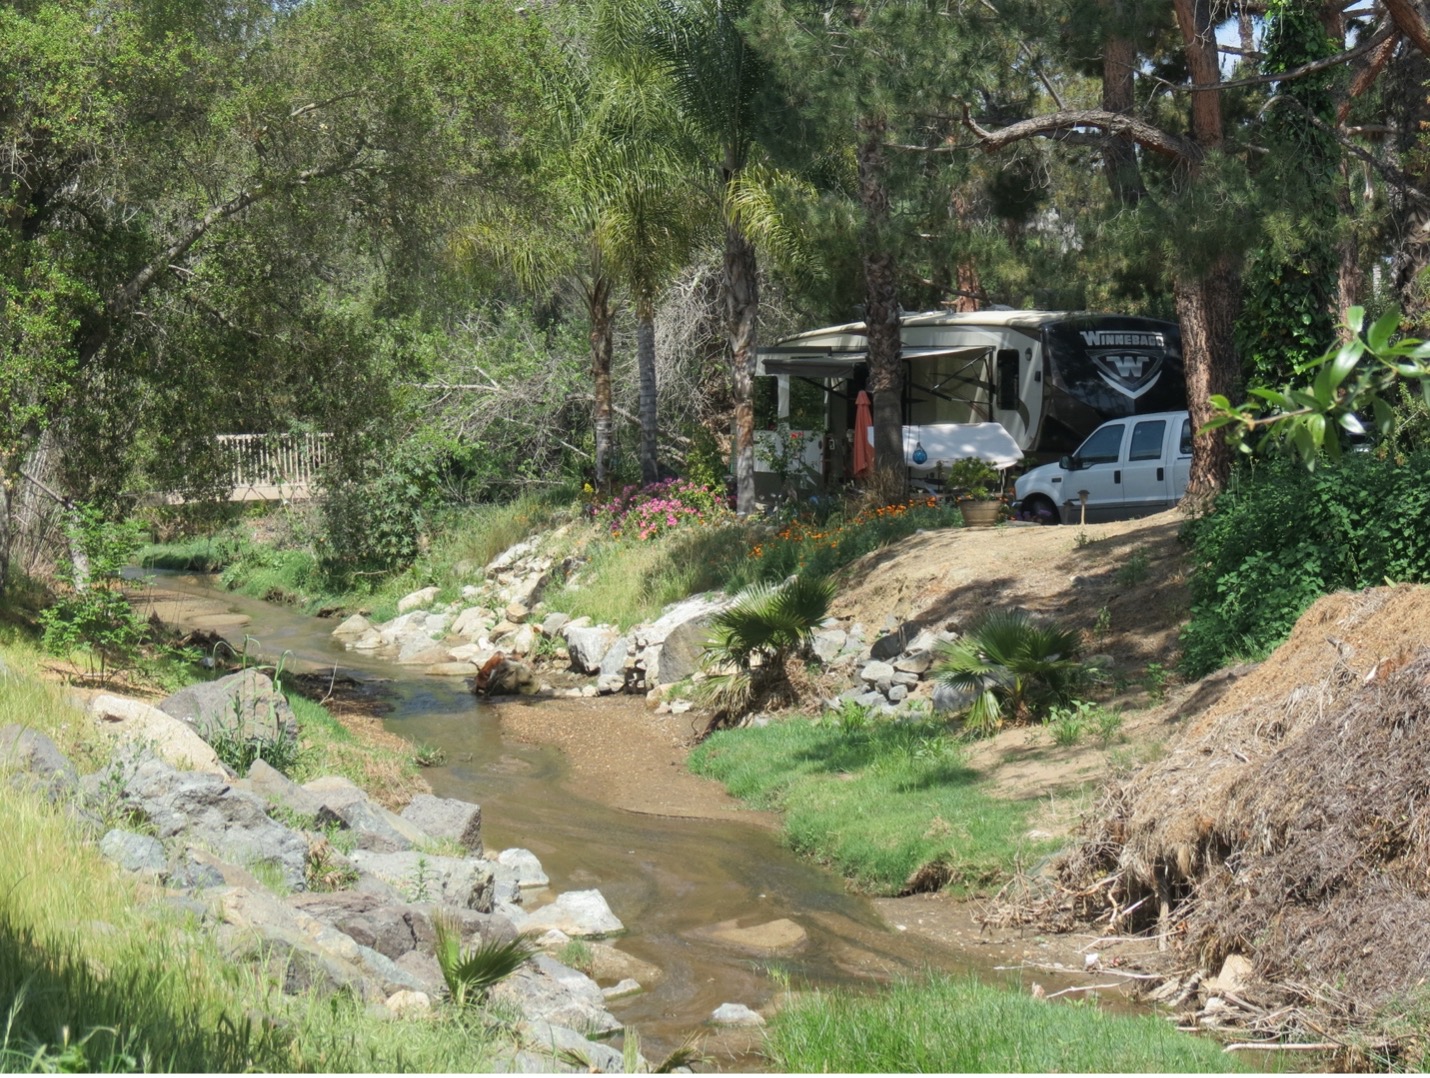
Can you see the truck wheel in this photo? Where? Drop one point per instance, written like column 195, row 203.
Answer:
column 1041, row 510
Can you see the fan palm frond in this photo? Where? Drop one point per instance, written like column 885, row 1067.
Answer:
column 472, row 973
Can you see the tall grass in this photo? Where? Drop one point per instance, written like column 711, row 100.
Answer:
column 96, row 975
column 889, row 804
column 954, row 1025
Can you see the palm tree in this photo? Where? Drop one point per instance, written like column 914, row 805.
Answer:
column 1013, row 666
column 751, row 642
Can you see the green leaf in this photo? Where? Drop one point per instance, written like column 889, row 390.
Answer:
column 1379, row 335
column 1355, row 319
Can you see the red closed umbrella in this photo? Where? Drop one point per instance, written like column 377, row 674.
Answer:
column 863, row 436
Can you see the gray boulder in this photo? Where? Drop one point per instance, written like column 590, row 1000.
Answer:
column 452, row 881
column 948, row 699
column 614, row 661
column 447, row 817
column 587, row 645
column 544, row 990
column 243, row 706
column 278, row 789
column 31, row 758
column 522, row 867
column 578, row 913
column 133, row 852
column 207, row 811
column 735, row 1014
column 369, row 920
column 561, row 1043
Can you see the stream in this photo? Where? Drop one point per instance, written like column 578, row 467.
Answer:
column 666, row 878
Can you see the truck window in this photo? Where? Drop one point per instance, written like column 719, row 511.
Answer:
column 1102, row 445
column 1007, row 379
column 1184, row 447
column 1147, row 439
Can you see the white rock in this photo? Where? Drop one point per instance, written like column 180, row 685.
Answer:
column 735, row 1014
column 628, row 986
column 413, row 600
column 525, row 867
column 353, row 626
column 134, row 721
column 409, row 1002
column 578, row 913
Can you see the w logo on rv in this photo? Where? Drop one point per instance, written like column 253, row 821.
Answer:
column 1128, row 362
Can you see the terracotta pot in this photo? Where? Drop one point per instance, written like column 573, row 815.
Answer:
column 980, row 514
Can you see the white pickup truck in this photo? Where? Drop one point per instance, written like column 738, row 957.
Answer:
column 1128, row 468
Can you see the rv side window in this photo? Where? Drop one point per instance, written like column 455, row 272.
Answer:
column 1185, row 446
column 1102, row 445
column 1147, row 440
column 1007, row 379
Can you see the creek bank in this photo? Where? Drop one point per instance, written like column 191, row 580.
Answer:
column 318, row 885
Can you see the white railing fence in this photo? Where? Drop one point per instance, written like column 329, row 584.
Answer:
column 274, row 465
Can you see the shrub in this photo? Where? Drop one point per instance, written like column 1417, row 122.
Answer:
column 1013, row 665
column 1281, row 536
column 470, row 974
column 820, row 547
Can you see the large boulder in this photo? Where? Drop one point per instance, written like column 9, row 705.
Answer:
column 206, row 811
column 374, row 827
column 416, row 600
column 578, row 913
column 673, row 643
column 452, row 881
column 587, row 645
column 241, row 707
column 544, row 990
column 447, row 817
column 135, row 722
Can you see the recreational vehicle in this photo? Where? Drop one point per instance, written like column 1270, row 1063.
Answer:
column 1046, row 378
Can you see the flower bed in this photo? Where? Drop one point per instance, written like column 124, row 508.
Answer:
column 823, row 547
column 642, row 513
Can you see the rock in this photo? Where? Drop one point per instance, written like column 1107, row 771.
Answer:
column 1236, row 974
column 588, row 691
column 897, row 693
column 879, row 674
column 447, row 817
column 32, row 758
column 947, row 698
column 501, row 676
column 243, row 706
column 906, row 679
column 578, row 914
column 828, row 643
column 207, row 811
column 357, row 625
column 772, row 937
column 471, row 623
column 511, row 555
column 380, row 829
column 516, row 613
column 435, row 625
column 451, row 669
column 588, row 645
column 545, row 990
column 870, row 699
column 628, row 987
column 735, row 1014
column 563, row 1044
column 915, row 663
column 278, row 789
column 609, row 963
column 133, row 852
column 420, row 650
column 195, row 868
column 405, row 1002
column 554, row 623
column 452, row 881
column 415, row 600
column 674, row 642
column 525, row 869
column 892, row 643
column 334, row 792
column 614, row 661
column 135, row 722
column 609, row 683
column 521, row 641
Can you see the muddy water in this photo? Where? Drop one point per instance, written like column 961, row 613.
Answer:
column 666, row 878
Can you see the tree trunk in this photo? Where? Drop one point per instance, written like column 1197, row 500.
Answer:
column 1119, row 153
column 881, row 309
column 1207, row 308
column 645, row 363
column 598, row 299
column 1347, row 250
column 742, row 306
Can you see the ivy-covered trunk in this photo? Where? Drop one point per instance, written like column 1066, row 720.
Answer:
column 742, row 304
column 645, row 362
column 602, row 317
column 881, row 309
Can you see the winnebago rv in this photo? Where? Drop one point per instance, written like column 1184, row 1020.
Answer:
column 1047, row 377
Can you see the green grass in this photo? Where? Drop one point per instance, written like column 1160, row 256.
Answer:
column 948, row 1024
column 387, row 769
column 94, row 975
column 879, row 801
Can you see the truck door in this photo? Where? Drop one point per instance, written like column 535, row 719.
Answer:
column 1100, row 474
column 1146, row 477
column 1182, row 462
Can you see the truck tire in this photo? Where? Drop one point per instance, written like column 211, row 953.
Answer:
column 1040, row 509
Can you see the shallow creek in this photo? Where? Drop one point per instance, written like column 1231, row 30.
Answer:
column 667, row 878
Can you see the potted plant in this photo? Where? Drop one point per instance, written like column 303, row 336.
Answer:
column 976, row 485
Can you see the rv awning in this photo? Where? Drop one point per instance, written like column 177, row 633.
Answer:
column 832, row 364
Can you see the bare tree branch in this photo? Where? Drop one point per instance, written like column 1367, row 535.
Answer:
column 1408, row 21
column 1144, row 134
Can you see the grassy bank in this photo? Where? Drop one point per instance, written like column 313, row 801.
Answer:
column 100, row 974
column 890, row 805
column 953, row 1025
